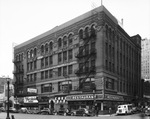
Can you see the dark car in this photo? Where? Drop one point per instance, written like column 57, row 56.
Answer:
column 45, row 111
column 61, row 112
column 147, row 112
column 64, row 112
column 2, row 109
column 81, row 112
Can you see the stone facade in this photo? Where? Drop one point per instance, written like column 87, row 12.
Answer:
column 51, row 63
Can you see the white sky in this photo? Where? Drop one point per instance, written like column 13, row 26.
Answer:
column 21, row 20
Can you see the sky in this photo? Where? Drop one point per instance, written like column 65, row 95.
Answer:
column 22, row 20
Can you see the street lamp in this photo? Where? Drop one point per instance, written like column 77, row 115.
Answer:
column 8, row 100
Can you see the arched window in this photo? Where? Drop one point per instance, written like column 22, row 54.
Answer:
column 59, row 43
column 31, row 53
column 87, row 32
column 51, row 46
column 81, row 34
column 70, row 39
column 106, row 31
column 93, row 32
column 19, row 57
column 42, row 49
column 46, row 48
column 65, row 41
column 28, row 54
column 35, row 52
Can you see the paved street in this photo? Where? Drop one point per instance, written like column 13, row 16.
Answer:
column 32, row 116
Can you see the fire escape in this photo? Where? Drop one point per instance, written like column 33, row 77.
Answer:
column 18, row 73
column 86, row 53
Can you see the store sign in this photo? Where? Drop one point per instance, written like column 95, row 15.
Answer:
column 80, row 97
column 31, row 90
column 31, row 99
column 114, row 97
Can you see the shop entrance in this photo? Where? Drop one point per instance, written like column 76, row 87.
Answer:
column 74, row 105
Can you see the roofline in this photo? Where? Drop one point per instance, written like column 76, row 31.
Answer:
column 57, row 28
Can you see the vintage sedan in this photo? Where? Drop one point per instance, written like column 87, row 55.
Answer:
column 82, row 112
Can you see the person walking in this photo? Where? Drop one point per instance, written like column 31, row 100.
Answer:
column 110, row 111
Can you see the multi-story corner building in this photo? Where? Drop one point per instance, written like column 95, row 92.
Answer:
column 146, row 58
column 88, row 61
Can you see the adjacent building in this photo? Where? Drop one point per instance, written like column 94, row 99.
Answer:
column 4, row 92
column 85, row 62
column 146, row 58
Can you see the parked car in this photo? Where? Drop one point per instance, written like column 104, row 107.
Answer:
column 64, row 112
column 2, row 109
column 13, row 110
column 147, row 112
column 35, row 111
column 23, row 110
column 45, row 111
column 81, row 112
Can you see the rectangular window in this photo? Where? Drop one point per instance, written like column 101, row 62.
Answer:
column 110, row 84
column 35, row 64
column 28, row 66
column 42, row 62
column 46, row 88
column 59, row 57
column 65, row 86
column 93, row 45
column 50, row 73
column 70, row 55
column 31, row 65
column 51, row 60
column 92, row 63
column 42, row 75
column 31, row 77
column 81, row 67
column 27, row 79
column 59, row 71
column 109, row 66
column 106, row 49
column 35, row 77
column 87, row 66
column 64, row 70
column 46, row 61
column 87, row 49
column 46, row 74
column 106, row 64
column 65, row 56
column 70, row 69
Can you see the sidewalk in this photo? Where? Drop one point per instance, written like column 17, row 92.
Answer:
column 107, row 115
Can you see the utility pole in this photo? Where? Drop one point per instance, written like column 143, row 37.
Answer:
column 7, row 100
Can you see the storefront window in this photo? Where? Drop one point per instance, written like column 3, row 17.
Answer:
column 110, row 83
column 46, row 88
column 65, row 86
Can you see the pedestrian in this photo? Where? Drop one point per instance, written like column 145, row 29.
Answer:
column 110, row 111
